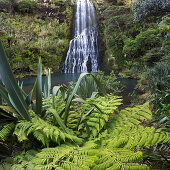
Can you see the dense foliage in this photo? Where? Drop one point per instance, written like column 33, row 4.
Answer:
column 46, row 36
column 130, row 47
column 145, row 8
column 83, row 125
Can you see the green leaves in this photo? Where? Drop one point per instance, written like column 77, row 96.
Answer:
column 0, row 94
column 59, row 120
column 68, row 103
column 39, row 89
column 14, row 93
column 47, row 85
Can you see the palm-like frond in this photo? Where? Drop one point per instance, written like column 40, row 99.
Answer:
column 43, row 131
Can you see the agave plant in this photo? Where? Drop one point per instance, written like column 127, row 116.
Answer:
column 19, row 103
column 12, row 94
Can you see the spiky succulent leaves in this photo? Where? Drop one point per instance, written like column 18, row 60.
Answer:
column 8, row 112
column 28, row 97
column 59, row 91
column 70, row 97
column 39, row 89
column 12, row 87
column 89, row 85
column 4, row 95
column 47, row 85
column 6, row 130
column 43, row 131
column 0, row 92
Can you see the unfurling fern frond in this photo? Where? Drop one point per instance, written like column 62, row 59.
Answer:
column 42, row 131
column 6, row 130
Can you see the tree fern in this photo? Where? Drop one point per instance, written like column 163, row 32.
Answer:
column 86, row 157
column 128, row 131
column 89, row 117
column 116, row 148
column 6, row 130
column 42, row 131
column 86, row 116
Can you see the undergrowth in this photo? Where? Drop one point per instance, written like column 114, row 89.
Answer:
column 118, row 147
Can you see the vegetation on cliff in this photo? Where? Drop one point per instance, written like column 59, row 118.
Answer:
column 33, row 29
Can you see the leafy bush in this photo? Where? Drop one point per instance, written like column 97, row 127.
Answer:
column 158, row 76
column 27, row 6
column 5, row 5
column 145, row 8
column 144, row 41
column 25, row 40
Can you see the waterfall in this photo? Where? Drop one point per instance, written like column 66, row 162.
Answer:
column 82, row 54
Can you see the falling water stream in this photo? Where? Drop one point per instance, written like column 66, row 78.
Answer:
column 82, row 55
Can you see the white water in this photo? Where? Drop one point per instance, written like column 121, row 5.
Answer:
column 83, row 46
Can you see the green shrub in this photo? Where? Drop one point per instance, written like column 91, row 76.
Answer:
column 5, row 5
column 146, row 8
column 144, row 41
column 27, row 6
column 158, row 76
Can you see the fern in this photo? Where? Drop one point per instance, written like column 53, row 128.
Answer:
column 119, row 159
column 6, row 130
column 85, row 116
column 66, row 157
column 58, row 104
column 90, row 117
column 42, row 131
column 129, row 133
column 87, row 157
column 113, row 149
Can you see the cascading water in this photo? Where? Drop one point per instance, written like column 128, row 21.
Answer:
column 82, row 54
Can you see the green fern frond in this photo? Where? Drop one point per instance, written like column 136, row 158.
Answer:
column 118, row 159
column 64, row 157
column 42, row 131
column 87, row 157
column 58, row 104
column 6, row 130
column 113, row 149
column 97, row 120
column 128, row 130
